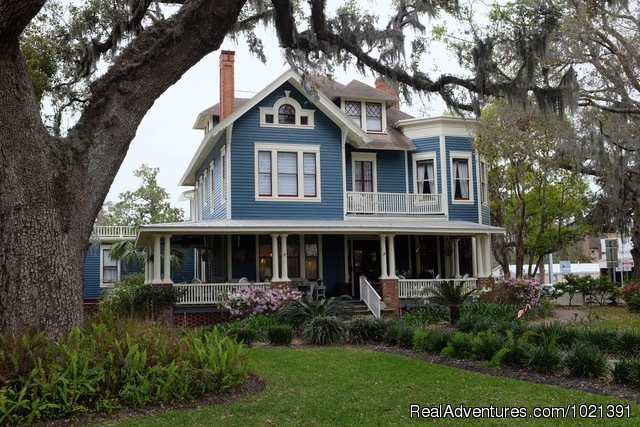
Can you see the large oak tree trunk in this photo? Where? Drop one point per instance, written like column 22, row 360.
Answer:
column 51, row 189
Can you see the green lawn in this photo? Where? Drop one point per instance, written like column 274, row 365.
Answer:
column 357, row 387
column 612, row 318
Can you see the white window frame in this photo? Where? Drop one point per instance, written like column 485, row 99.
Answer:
column 205, row 184
column 363, row 113
column 419, row 157
column 364, row 157
column 461, row 155
column 483, row 171
column 300, row 112
column 212, row 178
column 102, row 283
column 300, row 150
column 224, row 173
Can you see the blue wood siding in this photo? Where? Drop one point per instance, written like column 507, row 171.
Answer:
column 247, row 132
column 332, row 262
column 186, row 272
column 91, row 274
column 458, row 211
column 486, row 217
column 390, row 171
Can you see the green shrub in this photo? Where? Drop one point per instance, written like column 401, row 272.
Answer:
column 362, row 330
column 432, row 341
column 108, row 366
column 280, row 334
column 627, row 371
column 424, row 316
column 546, row 357
column 245, row 335
column 494, row 311
column 517, row 351
column 587, row 361
column 323, row 330
column 297, row 312
column 486, row 344
column 399, row 334
column 604, row 340
column 420, row 341
column 460, row 345
column 258, row 324
column 627, row 343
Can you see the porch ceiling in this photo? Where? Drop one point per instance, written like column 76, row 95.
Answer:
column 357, row 225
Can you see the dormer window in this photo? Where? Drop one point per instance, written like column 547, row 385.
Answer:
column 287, row 115
column 353, row 110
column 374, row 117
column 286, row 112
column 370, row 116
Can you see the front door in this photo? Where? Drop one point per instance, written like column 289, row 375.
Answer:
column 365, row 256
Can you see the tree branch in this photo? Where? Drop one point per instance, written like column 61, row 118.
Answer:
column 15, row 15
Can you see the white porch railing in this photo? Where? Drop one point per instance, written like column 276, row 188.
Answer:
column 370, row 297
column 115, row 231
column 393, row 203
column 212, row 293
column 423, row 288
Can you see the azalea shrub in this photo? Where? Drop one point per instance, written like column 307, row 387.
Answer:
column 512, row 290
column 250, row 302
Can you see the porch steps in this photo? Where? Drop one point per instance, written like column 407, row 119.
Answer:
column 359, row 308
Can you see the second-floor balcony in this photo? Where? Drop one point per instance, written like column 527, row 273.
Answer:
column 393, row 204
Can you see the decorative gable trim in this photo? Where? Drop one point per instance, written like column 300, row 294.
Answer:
column 269, row 116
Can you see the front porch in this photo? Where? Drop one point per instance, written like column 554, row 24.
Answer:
column 393, row 204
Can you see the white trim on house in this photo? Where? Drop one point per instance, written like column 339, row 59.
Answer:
column 300, row 112
column 357, row 135
column 364, row 157
column 462, row 155
column 300, row 150
column 363, row 113
column 434, row 126
column 212, row 180
column 443, row 174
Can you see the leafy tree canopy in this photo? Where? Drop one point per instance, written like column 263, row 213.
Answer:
column 149, row 204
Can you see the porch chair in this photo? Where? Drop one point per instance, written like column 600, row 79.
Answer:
column 312, row 287
column 243, row 280
column 320, row 291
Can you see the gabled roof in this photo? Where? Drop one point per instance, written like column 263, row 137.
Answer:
column 354, row 133
column 358, row 90
column 214, row 111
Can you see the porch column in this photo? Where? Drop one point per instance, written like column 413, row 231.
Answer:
column 456, row 258
column 285, row 273
column 392, row 257
column 147, row 267
column 156, row 259
column 274, row 258
column 383, row 257
column 167, row 259
column 487, row 255
column 474, row 257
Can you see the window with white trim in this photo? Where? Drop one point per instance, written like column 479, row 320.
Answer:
column 287, row 172
column 212, row 180
column 370, row 116
column 206, row 183
column 484, row 183
column 461, row 177
column 110, row 269
column 363, row 171
column 223, row 165
column 286, row 112
column 425, row 173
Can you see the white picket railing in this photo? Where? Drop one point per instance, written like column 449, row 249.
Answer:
column 115, row 231
column 212, row 293
column 423, row 288
column 370, row 297
column 393, row 203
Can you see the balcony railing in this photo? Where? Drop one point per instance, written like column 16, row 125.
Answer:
column 393, row 203
column 212, row 293
column 423, row 288
column 123, row 231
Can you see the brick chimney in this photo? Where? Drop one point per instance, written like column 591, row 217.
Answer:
column 227, row 85
column 383, row 84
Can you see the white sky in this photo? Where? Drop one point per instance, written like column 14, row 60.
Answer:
column 165, row 138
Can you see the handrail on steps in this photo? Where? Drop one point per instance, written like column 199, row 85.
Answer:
column 370, row 297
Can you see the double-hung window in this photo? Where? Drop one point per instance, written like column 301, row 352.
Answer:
column 374, row 117
column 426, row 177
column 461, row 177
column 287, row 172
column 109, row 268
column 484, row 186
column 353, row 111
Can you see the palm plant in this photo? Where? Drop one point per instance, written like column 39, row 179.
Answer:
column 300, row 311
column 451, row 294
column 135, row 257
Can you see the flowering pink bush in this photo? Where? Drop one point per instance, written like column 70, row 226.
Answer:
column 249, row 302
column 514, row 291
column 629, row 291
